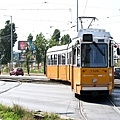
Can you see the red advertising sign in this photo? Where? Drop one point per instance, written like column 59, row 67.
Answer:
column 22, row 45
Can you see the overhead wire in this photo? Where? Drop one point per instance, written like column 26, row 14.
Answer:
column 34, row 9
column 108, row 17
column 43, row 20
column 85, row 7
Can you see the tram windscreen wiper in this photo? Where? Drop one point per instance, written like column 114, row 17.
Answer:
column 99, row 48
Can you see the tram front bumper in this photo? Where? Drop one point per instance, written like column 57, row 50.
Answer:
column 94, row 91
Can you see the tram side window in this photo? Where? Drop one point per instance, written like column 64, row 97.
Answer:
column 78, row 57
column 112, row 59
column 59, row 59
column 63, row 58
column 74, row 56
column 48, row 59
column 55, row 59
column 110, row 55
column 70, row 57
column 52, row 59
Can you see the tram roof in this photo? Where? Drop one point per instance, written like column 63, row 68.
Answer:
column 57, row 48
column 95, row 32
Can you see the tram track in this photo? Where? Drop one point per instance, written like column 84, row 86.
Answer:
column 81, row 110
column 101, row 107
column 113, row 105
column 6, row 89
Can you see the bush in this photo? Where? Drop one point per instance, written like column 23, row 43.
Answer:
column 19, row 113
column 15, row 113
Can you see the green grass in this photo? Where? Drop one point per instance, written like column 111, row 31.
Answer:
column 15, row 113
column 19, row 113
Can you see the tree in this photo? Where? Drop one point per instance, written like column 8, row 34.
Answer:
column 65, row 39
column 53, row 42
column 54, row 39
column 5, row 39
column 41, row 46
column 28, row 52
column 28, row 55
column 30, row 38
column 56, row 35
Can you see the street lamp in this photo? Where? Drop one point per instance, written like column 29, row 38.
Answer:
column 11, row 42
column 77, row 15
column 70, row 10
column 11, row 45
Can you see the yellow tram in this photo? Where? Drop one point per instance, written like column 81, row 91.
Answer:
column 87, row 62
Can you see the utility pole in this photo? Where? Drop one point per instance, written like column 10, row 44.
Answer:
column 77, row 15
column 11, row 45
column 11, row 34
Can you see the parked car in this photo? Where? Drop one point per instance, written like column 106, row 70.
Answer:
column 17, row 71
column 117, row 72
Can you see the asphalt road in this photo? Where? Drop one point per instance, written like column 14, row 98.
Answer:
column 45, row 96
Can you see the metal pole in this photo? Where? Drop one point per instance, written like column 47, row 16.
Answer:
column 70, row 10
column 11, row 45
column 77, row 15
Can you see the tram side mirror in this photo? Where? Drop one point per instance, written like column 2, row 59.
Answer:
column 118, row 51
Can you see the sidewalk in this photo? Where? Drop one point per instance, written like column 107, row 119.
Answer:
column 117, row 82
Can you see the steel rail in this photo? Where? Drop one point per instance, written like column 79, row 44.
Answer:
column 81, row 110
column 114, row 106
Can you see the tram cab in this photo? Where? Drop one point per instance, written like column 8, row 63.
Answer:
column 93, row 72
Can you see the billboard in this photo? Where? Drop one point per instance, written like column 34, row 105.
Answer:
column 22, row 45
column 31, row 45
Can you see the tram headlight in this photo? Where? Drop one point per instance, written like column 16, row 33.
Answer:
column 94, row 80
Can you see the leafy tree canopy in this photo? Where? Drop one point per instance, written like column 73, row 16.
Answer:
column 30, row 37
column 65, row 39
column 41, row 47
column 56, row 35
column 53, row 42
column 5, row 38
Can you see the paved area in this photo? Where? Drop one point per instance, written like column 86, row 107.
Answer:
column 117, row 82
column 41, row 76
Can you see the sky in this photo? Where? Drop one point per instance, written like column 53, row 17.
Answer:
column 35, row 16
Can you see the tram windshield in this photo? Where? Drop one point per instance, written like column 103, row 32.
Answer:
column 94, row 55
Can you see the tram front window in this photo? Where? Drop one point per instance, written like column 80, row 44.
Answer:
column 94, row 55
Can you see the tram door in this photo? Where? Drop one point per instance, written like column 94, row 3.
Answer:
column 58, row 70
column 75, row 70
column 71, row 68
column 111, row 63
column 68, row 65
column 62, row 67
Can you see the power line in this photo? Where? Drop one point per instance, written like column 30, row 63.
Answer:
column 108, row 17
column 36, row 3
column 34, row 9
column 59, row 4
column 85, row 6
column 103, row 8
column 110, row 23
column 43, row 20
